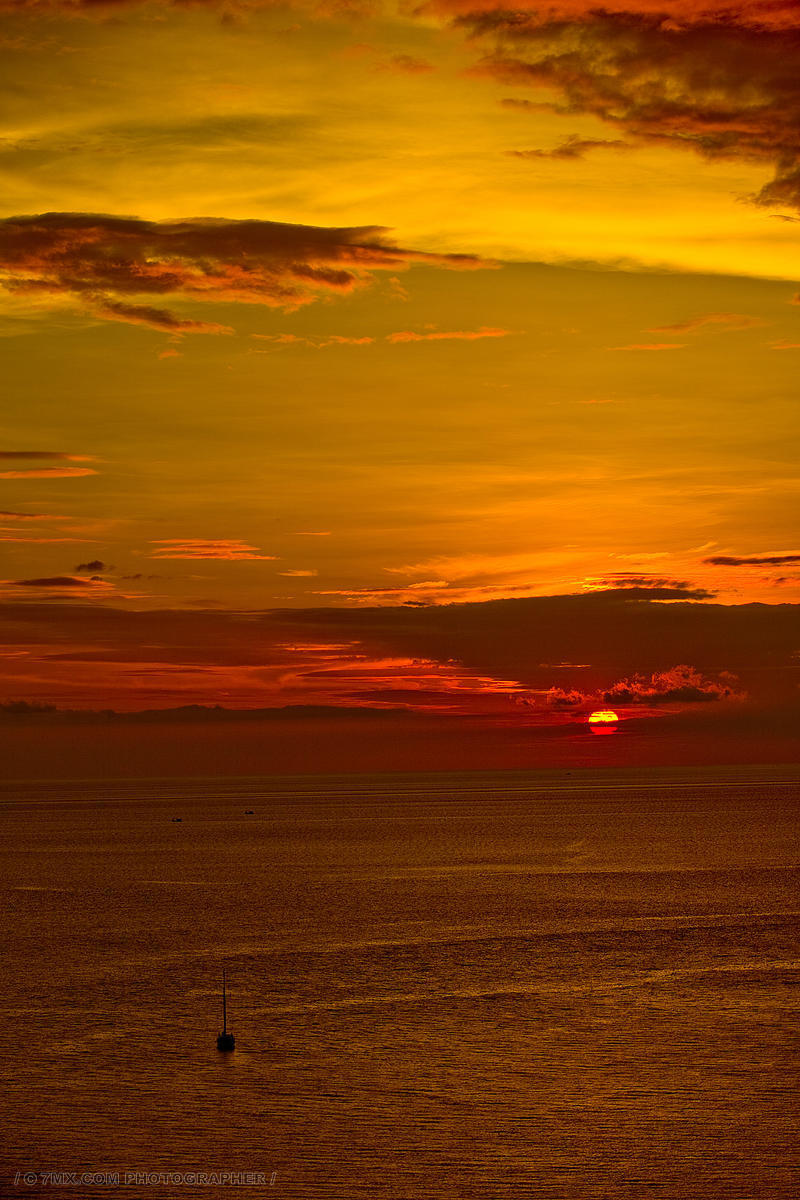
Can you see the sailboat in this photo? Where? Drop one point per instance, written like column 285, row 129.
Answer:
column 225, row 1041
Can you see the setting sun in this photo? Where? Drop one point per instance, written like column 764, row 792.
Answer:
column 605, row 720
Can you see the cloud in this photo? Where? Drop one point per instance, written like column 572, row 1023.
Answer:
column 626, row 579
column 48, row 473
column 18, row 516
column 92, row 568
column 573, row 148
column 560, row 698
column 55, row 581
column 157, row 318
column 489, row 656
column 299, row 574
column 37, row 541
column 720, row 79
column 104, row 262
column 681, row 684
column 652, row 346
column 227, row 549
column 408, row 64
column 25, row 454
column 630, row 580
column 727, row 320
column 318, row 343
column 15, row 710
column 756, row 14
column 463, row 335
column 766, row 560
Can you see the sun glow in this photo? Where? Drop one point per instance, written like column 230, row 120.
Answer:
column 604, row 720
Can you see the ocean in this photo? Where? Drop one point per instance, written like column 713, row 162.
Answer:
column 517, row 984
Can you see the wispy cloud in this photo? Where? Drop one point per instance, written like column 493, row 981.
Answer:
column 726, row 320
column 228, row 549
column 18, row 516
column 460, row 335
column 574, row 148
column 48, row 473
column 754, row 560
column 157, row 318
column 651, row 346
column 15, row 455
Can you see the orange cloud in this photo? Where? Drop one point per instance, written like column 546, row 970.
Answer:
column 318, row 343
column 37, row 541
column 23, row 454
column 102, row 261
column 652, row 346
column 48, row 473
column 467, row 335
column 682, row 684
column 18, row 516
column 226, row 549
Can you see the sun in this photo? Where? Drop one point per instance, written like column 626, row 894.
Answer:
column 605, row 720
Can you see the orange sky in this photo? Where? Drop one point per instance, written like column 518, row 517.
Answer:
column 435, row 362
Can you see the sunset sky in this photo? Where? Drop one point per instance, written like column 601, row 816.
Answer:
column 430, row 367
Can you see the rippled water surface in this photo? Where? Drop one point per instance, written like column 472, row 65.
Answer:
column 546, row 985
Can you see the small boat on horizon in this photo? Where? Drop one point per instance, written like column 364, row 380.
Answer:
column 225, row 1041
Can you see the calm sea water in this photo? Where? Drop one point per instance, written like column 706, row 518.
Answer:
column 444, row 986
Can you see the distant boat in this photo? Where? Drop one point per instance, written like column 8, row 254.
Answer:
column 225, row 1041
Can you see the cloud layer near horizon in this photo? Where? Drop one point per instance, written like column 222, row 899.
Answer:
column 623, row 644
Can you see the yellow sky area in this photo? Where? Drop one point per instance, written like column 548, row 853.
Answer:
column 247, row 470
column 338, row 122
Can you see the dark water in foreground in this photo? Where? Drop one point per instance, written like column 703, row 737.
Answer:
column 442, row 986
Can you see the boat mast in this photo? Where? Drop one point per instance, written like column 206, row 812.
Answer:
column 224, row 1005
